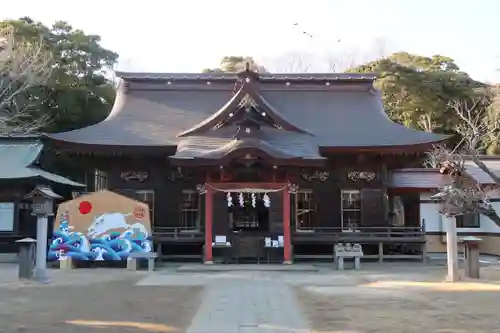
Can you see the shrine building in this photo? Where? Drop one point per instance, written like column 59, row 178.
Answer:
column 303, row 161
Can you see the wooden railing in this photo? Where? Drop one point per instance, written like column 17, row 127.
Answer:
column 382, row 232
column 176, row 232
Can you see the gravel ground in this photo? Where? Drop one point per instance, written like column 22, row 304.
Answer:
column 405, row 305
column 104, row 306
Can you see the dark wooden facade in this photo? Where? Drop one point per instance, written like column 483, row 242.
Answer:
column 164, row 185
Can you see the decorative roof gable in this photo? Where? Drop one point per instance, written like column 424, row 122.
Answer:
column 245, row 103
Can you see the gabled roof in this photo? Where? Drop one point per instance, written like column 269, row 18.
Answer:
column 246, row 94
column 18, row 160
column 338, row 110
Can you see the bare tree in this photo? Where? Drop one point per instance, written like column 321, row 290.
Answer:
column 479, row 127
column 24, row 66
column 291, row 62
column 342, row 60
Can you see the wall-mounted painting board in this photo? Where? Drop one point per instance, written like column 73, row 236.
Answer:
column 101, row 225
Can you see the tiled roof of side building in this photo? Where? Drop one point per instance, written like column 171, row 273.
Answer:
column 492, row 163
column 19, row 158
column 418, row 178
column 338, row 115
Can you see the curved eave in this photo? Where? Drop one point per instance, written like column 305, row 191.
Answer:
column 407, row 148
column 268, row 159
column 241, row 149
column 105, row 149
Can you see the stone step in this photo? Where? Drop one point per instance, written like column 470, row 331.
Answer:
column 196, row 268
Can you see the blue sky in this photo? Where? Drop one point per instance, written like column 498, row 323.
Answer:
column 189, row 35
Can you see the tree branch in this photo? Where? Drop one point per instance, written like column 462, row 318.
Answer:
column 24, row 67
column 479, row 126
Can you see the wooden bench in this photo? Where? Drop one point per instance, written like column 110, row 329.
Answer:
column 133, row 259
column 347, row 251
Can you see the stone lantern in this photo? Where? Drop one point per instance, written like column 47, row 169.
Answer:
column 42, row 198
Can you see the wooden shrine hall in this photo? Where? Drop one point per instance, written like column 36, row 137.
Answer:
column 255, row 167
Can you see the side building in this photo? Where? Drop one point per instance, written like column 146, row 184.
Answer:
column 20, row 172
column 427, row 181
column 305, row 159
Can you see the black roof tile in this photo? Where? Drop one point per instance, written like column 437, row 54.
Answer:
column 347, row 117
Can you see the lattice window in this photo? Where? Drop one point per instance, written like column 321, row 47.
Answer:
column 148, row 197
column 190, row 210
column 100, row 180
column 351, row 209
column 305, row 210
column 468, row 221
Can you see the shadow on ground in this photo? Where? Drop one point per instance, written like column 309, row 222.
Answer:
column 110, row 307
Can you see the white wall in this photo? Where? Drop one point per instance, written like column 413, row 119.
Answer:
column 429, row 211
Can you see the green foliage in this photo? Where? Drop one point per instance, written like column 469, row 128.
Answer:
column 77, row 93
column 417, row 90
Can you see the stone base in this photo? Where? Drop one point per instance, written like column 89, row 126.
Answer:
column 451, row 279
column 201, row 268
column 287, row 262
column 66, row 264
column 209, row 262
column 41, row 275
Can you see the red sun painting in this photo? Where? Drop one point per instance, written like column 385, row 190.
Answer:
column 139, row 213
column 85, row 207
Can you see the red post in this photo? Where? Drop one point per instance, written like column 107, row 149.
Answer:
column 287, row 238
column 208, row 223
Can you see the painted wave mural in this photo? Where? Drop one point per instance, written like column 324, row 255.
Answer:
column 108, row 236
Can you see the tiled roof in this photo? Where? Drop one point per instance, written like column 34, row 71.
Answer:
column 275, row 143
column 262, row 76
column 18, row 159
column 338, row 115
column 479, row 175
column 417, row 178
column 432, row 178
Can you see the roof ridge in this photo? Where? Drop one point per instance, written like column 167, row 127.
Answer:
column 234, row 76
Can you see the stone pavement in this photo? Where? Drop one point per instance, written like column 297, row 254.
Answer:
column 261, row 301
column 248, row 305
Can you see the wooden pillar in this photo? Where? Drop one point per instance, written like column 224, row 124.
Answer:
column 287, row 238
column 208, row 223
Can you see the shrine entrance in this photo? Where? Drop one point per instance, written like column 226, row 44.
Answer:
column 255, row 224
column 248, row 211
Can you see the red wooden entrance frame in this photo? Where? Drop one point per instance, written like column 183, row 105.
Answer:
column 210, row 188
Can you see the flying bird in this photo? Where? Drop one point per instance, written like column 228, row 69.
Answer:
column 304, row 32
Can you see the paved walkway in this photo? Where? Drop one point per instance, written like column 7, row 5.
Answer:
column 248, row 305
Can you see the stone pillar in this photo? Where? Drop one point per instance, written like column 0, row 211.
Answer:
column 287, row 238
column 472, row 256
column 208, row 223
column 41, row 250
column 26, row 251
column 452, row 249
